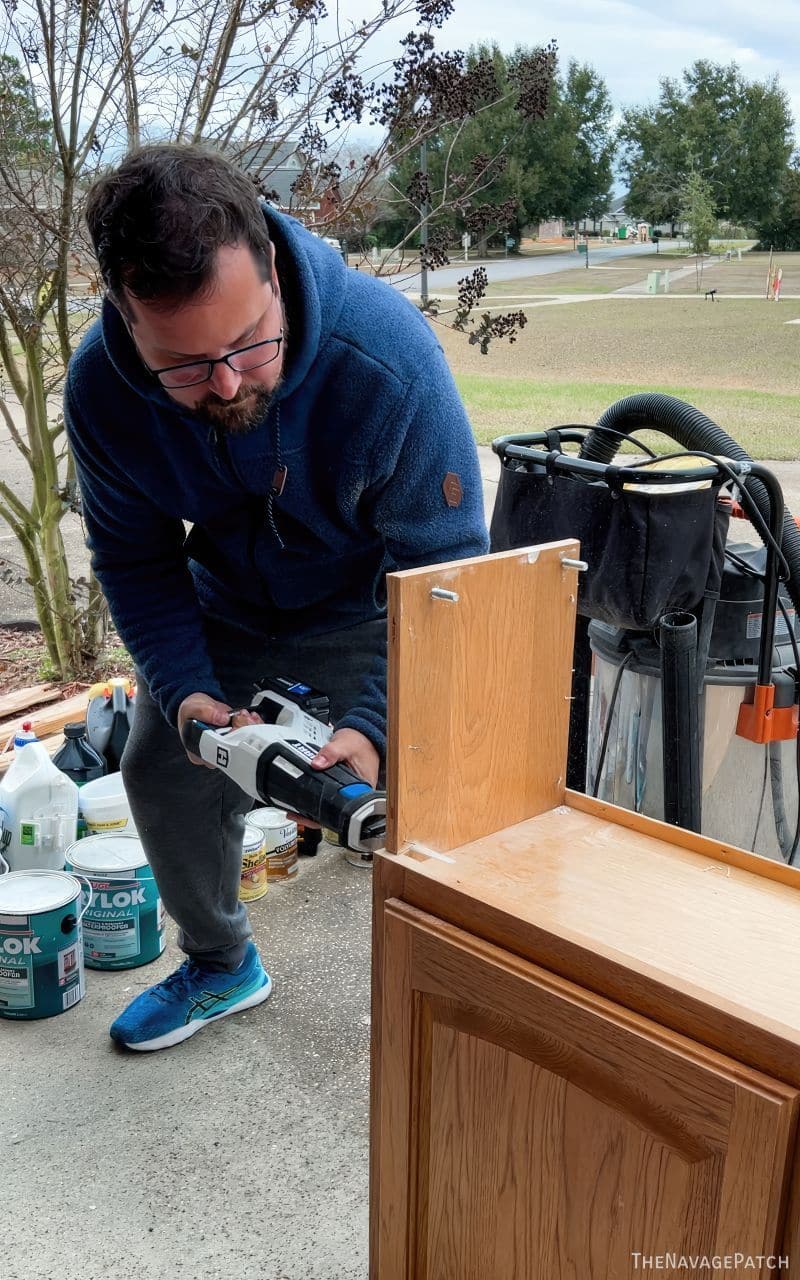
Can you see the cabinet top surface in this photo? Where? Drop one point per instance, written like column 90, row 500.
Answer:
column 714, row 931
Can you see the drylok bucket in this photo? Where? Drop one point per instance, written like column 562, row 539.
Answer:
column 41, row 953
column 105, row 807
column 124, row 925
column 254, row 864
column 281, row 841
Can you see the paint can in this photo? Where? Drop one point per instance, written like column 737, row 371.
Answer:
column 280, row 834
column 105, row 807
column 41, row 952
column 355, row 857
column 358, row 858
column 254, row 864
column 124, row 926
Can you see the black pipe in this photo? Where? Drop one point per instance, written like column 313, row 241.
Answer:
column 693, row 430
column 679, row 721
column 770, row 605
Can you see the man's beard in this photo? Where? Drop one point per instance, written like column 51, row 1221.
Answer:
column 235, row 417
column 243, row 413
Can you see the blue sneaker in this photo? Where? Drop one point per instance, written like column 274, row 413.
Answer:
column 190, row 997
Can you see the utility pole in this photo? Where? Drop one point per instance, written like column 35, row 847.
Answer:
column 423, row 227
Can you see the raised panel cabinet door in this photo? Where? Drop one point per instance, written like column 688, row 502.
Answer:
column 528, row 1129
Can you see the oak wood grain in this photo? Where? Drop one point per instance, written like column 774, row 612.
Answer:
column 478, row 694
column 715, row 932
column 531, row 1165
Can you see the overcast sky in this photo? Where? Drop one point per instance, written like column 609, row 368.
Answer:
column 632, row 43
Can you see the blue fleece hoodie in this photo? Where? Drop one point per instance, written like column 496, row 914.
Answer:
column 368, row 422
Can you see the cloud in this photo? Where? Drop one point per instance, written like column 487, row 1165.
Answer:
column 634, row 43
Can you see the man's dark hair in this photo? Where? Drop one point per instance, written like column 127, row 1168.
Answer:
column 158, row 220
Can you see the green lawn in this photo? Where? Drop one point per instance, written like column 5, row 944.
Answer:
column 736, row 360
column 765, row 424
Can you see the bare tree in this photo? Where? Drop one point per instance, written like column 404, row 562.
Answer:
column 83, row 81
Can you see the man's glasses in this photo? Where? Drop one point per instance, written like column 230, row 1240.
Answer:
column 241, row 361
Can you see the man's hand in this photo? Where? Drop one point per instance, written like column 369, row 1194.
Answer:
column 199, row 706
column 349, row 747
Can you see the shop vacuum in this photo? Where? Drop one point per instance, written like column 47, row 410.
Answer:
column 687, row 652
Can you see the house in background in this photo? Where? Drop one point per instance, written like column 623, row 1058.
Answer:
column 279, row 168
column 609, row 224
column 552, row 230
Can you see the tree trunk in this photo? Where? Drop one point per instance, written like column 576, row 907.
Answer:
column 45, row 553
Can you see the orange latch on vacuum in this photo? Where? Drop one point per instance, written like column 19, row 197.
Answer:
column 761, row 721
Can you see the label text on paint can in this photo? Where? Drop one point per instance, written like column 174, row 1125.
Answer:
column 253, row 884
column 18, row 969
column 20, row 946
column 282, row 857
column 111, row 925
column 280, row 834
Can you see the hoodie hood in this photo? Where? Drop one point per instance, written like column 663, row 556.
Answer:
column 313, row 280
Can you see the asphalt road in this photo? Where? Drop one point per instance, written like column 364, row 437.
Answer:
column 498, row 269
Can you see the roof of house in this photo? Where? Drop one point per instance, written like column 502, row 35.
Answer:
column 277, row 165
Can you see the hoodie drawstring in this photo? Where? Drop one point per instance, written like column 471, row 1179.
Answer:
column 278, row 479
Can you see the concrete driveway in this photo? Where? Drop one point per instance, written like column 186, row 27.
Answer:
column 241, row 1153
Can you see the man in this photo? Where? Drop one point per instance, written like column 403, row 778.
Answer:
column 301, row 418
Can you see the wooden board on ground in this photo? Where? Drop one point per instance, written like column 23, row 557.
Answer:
column 44, row 723
column 34, row 695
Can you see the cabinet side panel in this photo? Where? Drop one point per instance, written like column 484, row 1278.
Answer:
column 479, row 694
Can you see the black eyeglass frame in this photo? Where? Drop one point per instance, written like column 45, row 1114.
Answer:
column 209, row 364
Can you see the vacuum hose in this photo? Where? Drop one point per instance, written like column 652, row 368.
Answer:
column 680, row 731
column 693, row 430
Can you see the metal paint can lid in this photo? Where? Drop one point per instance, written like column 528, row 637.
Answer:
column 29, row 892
column 266, row 818
column 253, row 838
column 106, row 854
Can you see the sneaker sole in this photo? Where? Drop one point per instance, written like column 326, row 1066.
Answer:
column 183, row 1033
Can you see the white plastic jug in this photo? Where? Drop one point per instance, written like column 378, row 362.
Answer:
column 38, row 811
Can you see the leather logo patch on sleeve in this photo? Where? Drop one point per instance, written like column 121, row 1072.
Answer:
column 451, row 488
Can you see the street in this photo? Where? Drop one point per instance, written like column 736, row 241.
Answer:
column 497, row 269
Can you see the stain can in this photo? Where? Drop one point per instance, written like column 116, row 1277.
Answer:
column 254, row 863
column 124, row 926
column 41, row 952
column 280, row 834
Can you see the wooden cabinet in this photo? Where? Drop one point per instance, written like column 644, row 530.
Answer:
column 540, row 1131
column 586, row 1026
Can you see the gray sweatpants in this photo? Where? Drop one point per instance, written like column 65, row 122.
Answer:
column 190, row 819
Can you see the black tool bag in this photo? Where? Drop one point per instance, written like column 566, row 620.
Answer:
column 648, row 553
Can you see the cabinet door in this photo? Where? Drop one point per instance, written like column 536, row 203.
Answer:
column 527, row 1129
